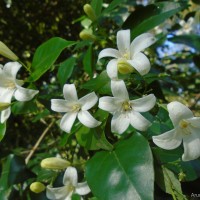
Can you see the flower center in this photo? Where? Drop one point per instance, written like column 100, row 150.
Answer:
column 76, row 107
column 10, row 85
column 183, row 124
column 126, row 55
column 71, row 187
column 124, row 67
column 126, row 106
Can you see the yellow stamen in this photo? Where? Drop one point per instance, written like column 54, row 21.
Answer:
column 183, row 124
column 126, row 106
column 76, row 107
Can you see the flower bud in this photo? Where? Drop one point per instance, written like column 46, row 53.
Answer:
column 54, row 163
column 124, row 67
column 89, row 11
column 4, row 106
column 87, row 35
column 6, row 52
column 37, row 187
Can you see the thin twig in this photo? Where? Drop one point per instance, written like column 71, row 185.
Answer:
column 38, row 142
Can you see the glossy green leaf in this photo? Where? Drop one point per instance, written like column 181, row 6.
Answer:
column 145, row 18
column 92, row 139
column 45, row 56
column 87, row 61
column 65, row 70
column 100, row 84
column 190, row 40
column 2, row 130
column 124, row 172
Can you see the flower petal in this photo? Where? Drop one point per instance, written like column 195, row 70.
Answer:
column 60, row 105
column 82, row 188
column 11, row 68
column 70, row 176
column 69, row 91
column 141, row 42
column 191, row 144
column 6, row 95
column 138, row 121
column 67, row 121
column 110, row 104
column 111, row 69
column 141, row 63
column 178, row 111
column 119, row 122
column 144, row 104
column 109, row 52
column 88, row 101
column 194, row 121
column 119, row 90
column 168, row 140
column 60, row 193
column 86, row 119
column 5, row 114
column 23, row 94
column 123, row 41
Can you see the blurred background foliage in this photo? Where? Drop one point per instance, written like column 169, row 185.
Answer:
column 24, row 25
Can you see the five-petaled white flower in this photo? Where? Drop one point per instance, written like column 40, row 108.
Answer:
column 10, row 86
column 186, row 129
column 128, row 56
column 71, row 185
column 75, row 107
column 126, row 111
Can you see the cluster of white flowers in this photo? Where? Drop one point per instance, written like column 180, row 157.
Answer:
column 127, row 59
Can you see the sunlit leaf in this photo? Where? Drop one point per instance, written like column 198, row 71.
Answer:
column 45, row 56
column 124, row 172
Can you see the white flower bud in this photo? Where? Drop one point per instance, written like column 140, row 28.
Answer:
column 37, row 187
column 54, row 163
column 87, row 35
column 6, row 52
column 89, row 11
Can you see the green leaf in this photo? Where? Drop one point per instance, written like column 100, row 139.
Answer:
column 169, row 183
column 97, row 6
column 24, row 107
column 92, row 139
column 124, row 172
column 145, row 18
column 2, row 130
column 87, row 61
column 100, row 84
column 46, row 54
column 190, row 40
column 5, row 188
column 112, row 6
column 65, row 70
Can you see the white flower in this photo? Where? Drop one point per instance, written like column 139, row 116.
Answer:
column 186, row 129
column 75, row 108
column 71, row 185
column 126, row 111
column 10, row 86
column 128, row 54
